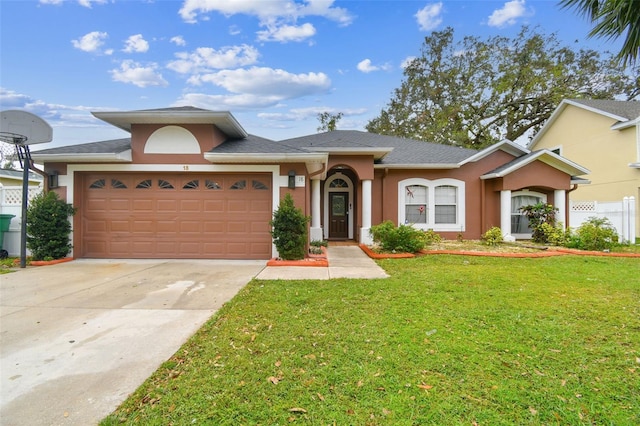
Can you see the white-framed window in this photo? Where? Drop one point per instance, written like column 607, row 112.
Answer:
column 432, row 204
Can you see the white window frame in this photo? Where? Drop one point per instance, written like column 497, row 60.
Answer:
column 458, row 226
column 526, row 192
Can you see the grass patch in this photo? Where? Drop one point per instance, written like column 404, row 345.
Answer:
column 445, row 340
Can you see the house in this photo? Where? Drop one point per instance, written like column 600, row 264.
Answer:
column 192, row 183
column 604, row 136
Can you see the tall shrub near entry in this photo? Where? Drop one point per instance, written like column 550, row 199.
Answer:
column 539, row 214
column 289, row 230
column 48, row 226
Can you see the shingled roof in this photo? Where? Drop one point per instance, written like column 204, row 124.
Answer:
column 629, row 110
column 402, row 151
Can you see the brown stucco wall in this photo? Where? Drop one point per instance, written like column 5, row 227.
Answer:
column 207, row 135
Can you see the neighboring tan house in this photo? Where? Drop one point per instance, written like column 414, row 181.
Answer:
column 191, row 183
column 604, row 136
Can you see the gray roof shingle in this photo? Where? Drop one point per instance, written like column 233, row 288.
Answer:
column 405, row 151
column 114, row 146
column 626, row 109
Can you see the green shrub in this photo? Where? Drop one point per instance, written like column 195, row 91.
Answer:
column 492, row 237
column 554, row 235
column 319, row 243
column 403, row 238
column 538, row 214
column 289, row 230
column 48, row 226
column 594, row 234
column 431, row 237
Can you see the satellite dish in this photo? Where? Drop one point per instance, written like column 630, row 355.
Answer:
column 23, row 128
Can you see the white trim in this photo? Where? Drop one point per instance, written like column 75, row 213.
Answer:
column 459, row 226
column 327, row 190
column 505, row 145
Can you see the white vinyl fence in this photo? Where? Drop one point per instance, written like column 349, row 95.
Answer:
column 622, row 214
column 11, row 203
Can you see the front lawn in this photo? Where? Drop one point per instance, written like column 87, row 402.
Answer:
column 446, row 340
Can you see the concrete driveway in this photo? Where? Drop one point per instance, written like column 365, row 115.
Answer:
column 77, row 338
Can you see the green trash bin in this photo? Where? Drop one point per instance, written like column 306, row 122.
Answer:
column 5, row 221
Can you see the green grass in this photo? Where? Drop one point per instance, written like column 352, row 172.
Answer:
column 446, row 340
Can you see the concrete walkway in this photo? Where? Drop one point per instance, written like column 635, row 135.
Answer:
column 344, row 262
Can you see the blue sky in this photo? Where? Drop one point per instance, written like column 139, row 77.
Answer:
column 275, row 64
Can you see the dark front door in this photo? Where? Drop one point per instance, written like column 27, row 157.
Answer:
column 338, row 215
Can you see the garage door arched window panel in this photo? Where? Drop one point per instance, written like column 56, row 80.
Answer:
column 416, row 198
column 145, row 184
column 446, row 204
column 212, row 184
column 256, row 184
column 98, row 184
column 240, row 184
column 193, row 184
column 164, row 184
column 118, row 184
column 432, row 204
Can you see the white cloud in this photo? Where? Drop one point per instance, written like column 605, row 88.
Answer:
column 287, row 33
column 299, row 114
column 366, row 66
column 136, row 43
column 429, row 17
column 278, row 17
column 178, row 41
column 85, row 3
column 407, row 61
column 90, row 42
column 508, row 15
column 205, row 59
column 269, row 82
column 266, row 11
column 138, row 75
column 255, row 88
column 88, row 3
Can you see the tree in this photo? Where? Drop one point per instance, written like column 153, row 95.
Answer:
column 328, row 121
column 612, row 18
column 48, row 226
column 289, row 230
column 476, row 92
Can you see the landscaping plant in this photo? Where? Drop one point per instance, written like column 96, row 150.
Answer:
column 492, row 237
column 403, row 238
column 594, row 234
column 289, row 230
column 538, row 214
column 48, row 226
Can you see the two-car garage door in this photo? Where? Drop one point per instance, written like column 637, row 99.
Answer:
column 174, row 215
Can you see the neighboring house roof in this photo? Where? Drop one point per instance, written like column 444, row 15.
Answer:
column 626, row 113
column 118, row 150
column 223, row 120
column 17, row 175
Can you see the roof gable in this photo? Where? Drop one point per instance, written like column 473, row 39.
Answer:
column 544, row 155
column 223, row 120
column 625, row 113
